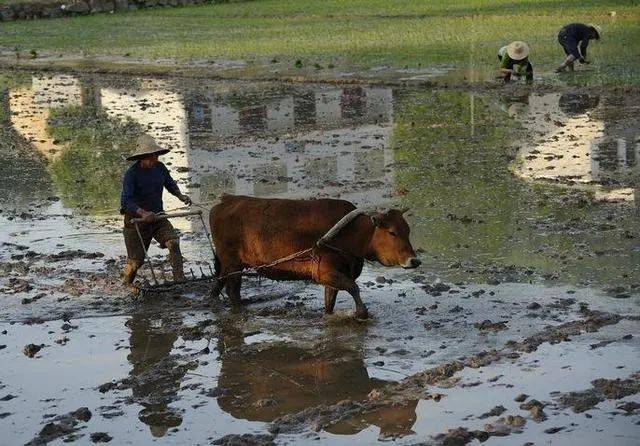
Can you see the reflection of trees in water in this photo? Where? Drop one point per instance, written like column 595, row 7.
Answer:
column 88, row 172
column 456, row 172
column 470, row 207
column 155, row 374
column 265, row 381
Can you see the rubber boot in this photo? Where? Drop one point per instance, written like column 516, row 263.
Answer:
column 129, row 275
column 175, row 258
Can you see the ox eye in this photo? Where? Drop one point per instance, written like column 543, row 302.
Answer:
column 393, row 234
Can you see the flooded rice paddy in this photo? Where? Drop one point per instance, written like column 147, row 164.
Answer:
column 520, row 327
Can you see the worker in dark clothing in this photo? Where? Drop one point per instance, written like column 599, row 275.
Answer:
column 574, row 39
column 514, row 61
column 141, row 197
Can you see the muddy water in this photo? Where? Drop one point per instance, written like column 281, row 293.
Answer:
column 523, row 207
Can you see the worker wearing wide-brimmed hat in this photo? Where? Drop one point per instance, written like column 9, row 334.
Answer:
column 142, row 188
column 514, row 60
column 574, row 39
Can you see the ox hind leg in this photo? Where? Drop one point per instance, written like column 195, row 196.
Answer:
column 340, row 281
column 229, row 275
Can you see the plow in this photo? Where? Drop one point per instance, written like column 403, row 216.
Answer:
column 159, row 282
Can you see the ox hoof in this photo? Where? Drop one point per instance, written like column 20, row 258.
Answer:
column 361, row 313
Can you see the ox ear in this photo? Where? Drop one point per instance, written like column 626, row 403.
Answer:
column 405, row 210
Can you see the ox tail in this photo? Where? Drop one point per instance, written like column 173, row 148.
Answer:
column 218, row 283
column 216, row 266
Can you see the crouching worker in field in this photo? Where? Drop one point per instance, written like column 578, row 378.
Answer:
column 574, row 39
column 514, row 61
column 141, row 197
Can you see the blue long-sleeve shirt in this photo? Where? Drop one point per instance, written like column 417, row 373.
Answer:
column 142, row 188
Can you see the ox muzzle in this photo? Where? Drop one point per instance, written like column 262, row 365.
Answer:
column 412, row 262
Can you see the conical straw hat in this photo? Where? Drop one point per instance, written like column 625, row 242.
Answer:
column 146, row 146
column 517, row 50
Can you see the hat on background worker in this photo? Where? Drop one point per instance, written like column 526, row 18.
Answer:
column 146, row 146
column 598, row 30
column 518, row 50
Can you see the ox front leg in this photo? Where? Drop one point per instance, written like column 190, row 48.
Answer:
column 330, row 295
column 361, row 309
column 339, row 281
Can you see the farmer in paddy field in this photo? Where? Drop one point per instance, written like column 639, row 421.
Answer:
column 514, row 60
column 574, row 39
column 141, row 197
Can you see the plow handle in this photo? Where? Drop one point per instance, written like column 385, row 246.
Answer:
column 167, row 216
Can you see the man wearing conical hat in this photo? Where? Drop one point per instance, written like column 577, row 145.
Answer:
column 141, row 197
column 514, row 60
column 574, row 39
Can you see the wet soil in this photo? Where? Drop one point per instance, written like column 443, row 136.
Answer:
column 521, row 324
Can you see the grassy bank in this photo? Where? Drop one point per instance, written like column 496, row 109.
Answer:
column 362, row 33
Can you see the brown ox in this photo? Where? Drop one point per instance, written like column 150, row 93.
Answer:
column 250, row 232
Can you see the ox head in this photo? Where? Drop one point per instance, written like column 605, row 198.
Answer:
column 390, row 243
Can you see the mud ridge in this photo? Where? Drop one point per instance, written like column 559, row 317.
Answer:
column 416, row 386
column 603, row 389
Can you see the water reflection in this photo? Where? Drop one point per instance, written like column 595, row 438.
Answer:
column 21, row 168
column 480, row 219
column 577, row 145
column 265, row 381
column 257, row 381
column 449, row 155
column 30, row 105
column 215, row 117
column 393, row 420
column 212, row 130
column 302, row 163
column 155, row 374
